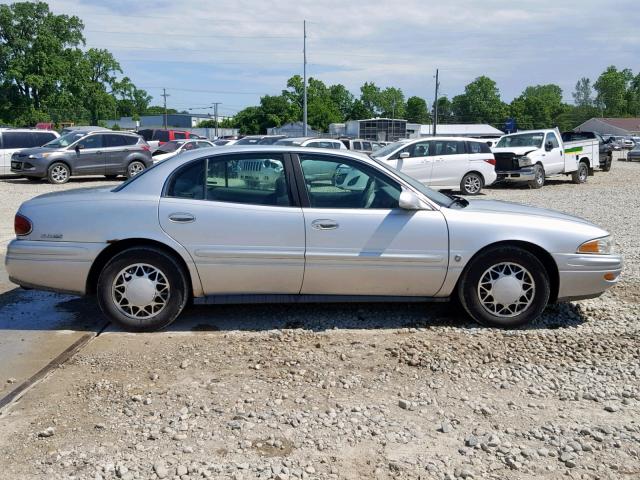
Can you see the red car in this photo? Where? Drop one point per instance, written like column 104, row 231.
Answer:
column 158, row 136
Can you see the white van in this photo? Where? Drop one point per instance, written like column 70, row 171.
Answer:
column 14, row 139
column 444, row 163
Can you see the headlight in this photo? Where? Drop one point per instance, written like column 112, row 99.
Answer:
column 601, row 246
column 524, row 161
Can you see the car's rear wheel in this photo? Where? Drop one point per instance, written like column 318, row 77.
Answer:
column 471, row 183
column 538, row 180
column 58, row 173
column 504, row 287
column 580, row 175
column 607, row 164
column 135, row 168
column 142, row 289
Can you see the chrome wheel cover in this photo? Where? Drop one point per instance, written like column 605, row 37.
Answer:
column 59, row 173
column 140, row 291
column 540, row 176
column 135, row 168
column 472, row 184
column 506, row 289
column 583, row 173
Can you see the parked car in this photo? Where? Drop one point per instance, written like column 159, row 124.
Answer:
column 176, row 147
column 223, row 141
column 358, row 145
column 193, row 229
column 259, row 139
column 314, row 142
column 532, row 156
column 159, row 136
column 13, row 140
column 84, row 153
column 443, row 162
column 83, row 128
column 605, row 147
column 634, row 154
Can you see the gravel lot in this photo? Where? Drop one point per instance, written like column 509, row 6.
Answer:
column 356, row 391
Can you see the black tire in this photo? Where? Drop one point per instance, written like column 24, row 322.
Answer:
column 111, row 177
column 582, row 174
column 607, row 164
column 58, row 173
column 538, row 181
column 469, row 287
column 472, row 183
column 174, row 301
column 134, row 168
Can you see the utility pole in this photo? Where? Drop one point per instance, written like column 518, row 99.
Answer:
column 165, row 95
column 215, row 113
column 435, row 107
column 304, row 99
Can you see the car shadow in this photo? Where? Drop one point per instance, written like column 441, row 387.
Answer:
column 72, row 180
column 34, row 310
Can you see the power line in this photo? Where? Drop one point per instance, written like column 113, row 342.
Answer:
column 188, row 35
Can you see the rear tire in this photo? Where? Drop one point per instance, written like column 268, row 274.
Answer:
column 134, row 168
column 142, row 289
column 471, row 183
column 538, row 181
column 580, row 175
column 607, row 164
column 504, row 286
column 58, row 173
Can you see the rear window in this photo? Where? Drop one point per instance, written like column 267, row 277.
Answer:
column 147, row 134
column 161, row 135
column 478, row 147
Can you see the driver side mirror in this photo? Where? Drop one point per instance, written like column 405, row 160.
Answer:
column 404, row 155
column 410, row 201
column 548, row 147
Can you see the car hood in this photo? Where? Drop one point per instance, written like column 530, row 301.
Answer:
column 515, row 150
column 36, row 150
column 501, row 207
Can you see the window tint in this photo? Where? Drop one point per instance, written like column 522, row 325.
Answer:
column 551, row 137
column 179, row 135
column 366, row 145
column 420, row 149
column 336, row 145
column 114, row 140
column 339, row 183
column 161, row 135
column 16, row 140
column 40, row 138
column 93, row 141
column 447, row 147
column 147, row 134
column 203, row 145
column 130, row 139
column 357, row 145
column 188, row 181
column 478, row 147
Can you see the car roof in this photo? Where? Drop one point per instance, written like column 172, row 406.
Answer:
column 11, row 129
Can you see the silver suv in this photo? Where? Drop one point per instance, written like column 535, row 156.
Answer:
column 105, row 153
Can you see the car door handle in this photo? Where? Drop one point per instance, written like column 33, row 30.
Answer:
column 324, row 224
column 181, row 217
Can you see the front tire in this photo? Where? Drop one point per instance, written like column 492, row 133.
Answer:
column 136, row 167
column 538, row 181
column 58, row 173
column 142, row 289
column 504, row 286
column 580, row 175
column 471, row 183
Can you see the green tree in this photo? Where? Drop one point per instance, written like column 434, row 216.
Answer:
column 612, row 88
column 445, row 110
column 391, row 103
column 358, row 111
column 158, row 110
column 370, row 98
column 343, row 99
column 538, row 106
column 247, row 120
column 480, row 103
column 417, row 111
column 583, row 94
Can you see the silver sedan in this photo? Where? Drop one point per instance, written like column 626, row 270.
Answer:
column 290, row 224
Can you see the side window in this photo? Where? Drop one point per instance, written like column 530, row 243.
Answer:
column 448, row 147
column 92, row 141
column 179, row 135
column 161, row 135
column 17, row 140
column 338, row 183
column 420, row 149
column 147, row 134
column 474, row 147
column 114, row 140
column 203, row 145
column 366, row 146
column 40, row 138
column 189, row 146
column 357, row 145
column 130, row 139
column 336, row 145
column 188, row 181
column 551, row 137
column 256, row 180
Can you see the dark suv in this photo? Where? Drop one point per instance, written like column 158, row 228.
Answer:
column 84, row 153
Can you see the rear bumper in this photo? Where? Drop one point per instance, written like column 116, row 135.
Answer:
column 526, row 174
column 582, row 276
column 57, row 266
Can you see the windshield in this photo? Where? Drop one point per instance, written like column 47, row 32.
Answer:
column 388, row 150
column 522, row 140
column 439, row 198
column 65, row 140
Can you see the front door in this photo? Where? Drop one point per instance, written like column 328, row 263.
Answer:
column 90, row 157
column 359, row 242
column 554, row 155
column 236, row 216
column 418, row 165
column 450, row 163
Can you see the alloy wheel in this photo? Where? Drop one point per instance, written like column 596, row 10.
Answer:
column 59, row 174
column 135, row 168
column 472, row 184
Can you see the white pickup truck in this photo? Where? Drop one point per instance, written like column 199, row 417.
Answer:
column 532, row 156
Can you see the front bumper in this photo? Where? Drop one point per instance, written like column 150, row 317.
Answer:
column 57, row 266
column 526, row 174
column 29, row 167
column 583, row 276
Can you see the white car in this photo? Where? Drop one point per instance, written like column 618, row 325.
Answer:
column 176, row 147
column 443, row 163
column 13, row 140
column 313, row 142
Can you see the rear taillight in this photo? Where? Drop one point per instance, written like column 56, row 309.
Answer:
column 22, row 225
column 146, row 148
column 492, row 161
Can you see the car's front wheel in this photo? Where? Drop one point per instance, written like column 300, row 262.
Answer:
column 58, row 173
column 538, row 177
column 504, row 286
column 142, row 289
column 471, row 183
column 135, row 168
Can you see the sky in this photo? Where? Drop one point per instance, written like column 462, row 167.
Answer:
column 233, row 52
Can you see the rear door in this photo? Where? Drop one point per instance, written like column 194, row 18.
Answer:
column 450, row 162
column 91, row 158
